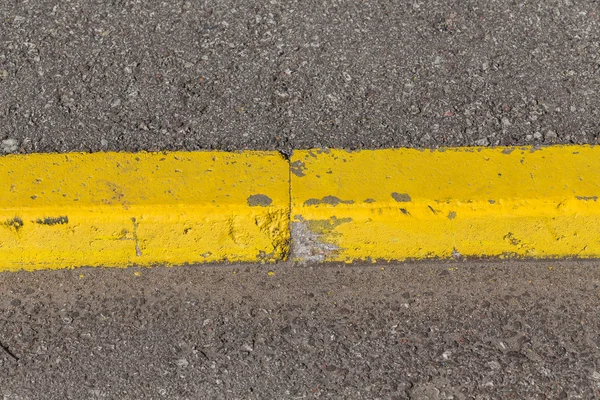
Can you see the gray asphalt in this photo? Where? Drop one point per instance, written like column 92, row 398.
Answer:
column 409, row 331
column 124, row 75
column 150, row 75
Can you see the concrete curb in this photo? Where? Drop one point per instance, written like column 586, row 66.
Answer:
column 120, row 209
column 449, row 203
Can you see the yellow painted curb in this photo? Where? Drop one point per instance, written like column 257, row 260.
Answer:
column 118, row 209
column 457, row 202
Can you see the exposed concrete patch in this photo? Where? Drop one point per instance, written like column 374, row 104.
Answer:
column 330, row 200
column 61, row 220
column 297, row 168
column 307, row 244
column 401, row 197
column 587, row 198
column 16, row 223
column 259, row 200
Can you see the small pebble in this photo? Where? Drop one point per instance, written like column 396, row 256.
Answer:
column 414, row 110
column 182, row 362
column 482, row 142
column 246, row 347
column 550, row 135
column 494, row 365
column 10, row 145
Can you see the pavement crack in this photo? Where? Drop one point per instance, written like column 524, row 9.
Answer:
column 10, row 353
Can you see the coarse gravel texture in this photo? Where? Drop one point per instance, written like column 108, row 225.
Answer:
column 509, row 330
column 93, row 75
column 120, row 75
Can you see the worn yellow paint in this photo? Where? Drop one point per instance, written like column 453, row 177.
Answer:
column 119, row 209
column 399, row 204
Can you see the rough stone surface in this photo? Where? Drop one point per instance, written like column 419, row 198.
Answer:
column 162, row 75
column 129, row 75
column 401, row 331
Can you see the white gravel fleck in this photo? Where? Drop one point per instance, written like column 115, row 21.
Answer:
column 494, row 365
column 10, row 145
column 551, row 135
column 247, row 347
column 182, row 363
column 482, row 142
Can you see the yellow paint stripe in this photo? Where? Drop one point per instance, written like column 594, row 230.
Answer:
column 119, row 209
column 399, row 204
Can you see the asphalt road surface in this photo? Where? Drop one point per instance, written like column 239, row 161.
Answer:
column 90, row 75
column 407, row 331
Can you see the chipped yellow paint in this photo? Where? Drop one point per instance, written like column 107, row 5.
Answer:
column 399, row 204
column 120, row 209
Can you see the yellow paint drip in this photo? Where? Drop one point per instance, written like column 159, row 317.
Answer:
column 399, row 204
column 118, row 209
